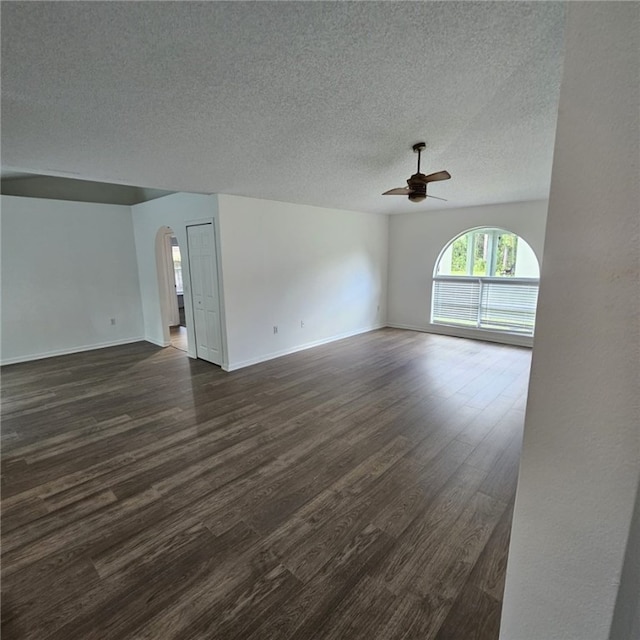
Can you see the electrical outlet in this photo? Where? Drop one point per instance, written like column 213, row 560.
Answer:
column 275, row 328
column 302, row 324
column 113, row 320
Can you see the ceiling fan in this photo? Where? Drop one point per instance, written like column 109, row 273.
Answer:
column 416, row 187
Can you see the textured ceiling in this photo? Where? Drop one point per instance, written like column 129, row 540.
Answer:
column 309, row 102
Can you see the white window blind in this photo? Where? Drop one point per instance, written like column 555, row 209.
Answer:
column 496, row 304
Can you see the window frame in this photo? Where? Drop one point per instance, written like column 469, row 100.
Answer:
column 516, row 319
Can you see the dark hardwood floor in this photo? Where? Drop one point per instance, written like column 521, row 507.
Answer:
column 361, row 489
column 178, row 336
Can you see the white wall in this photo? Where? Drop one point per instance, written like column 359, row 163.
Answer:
column 67, row 269
column 416, row 240
column 285, row 263
column 281, row 264
column 581, row 454
column 175, row 211
column 626, row 616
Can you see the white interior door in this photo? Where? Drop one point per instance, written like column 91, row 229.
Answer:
column 205, row 297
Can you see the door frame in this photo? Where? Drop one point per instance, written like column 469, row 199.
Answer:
column 199, row 234
column 186, row 283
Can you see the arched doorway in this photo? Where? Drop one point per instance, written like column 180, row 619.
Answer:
column 169, row 266
column 486, row 279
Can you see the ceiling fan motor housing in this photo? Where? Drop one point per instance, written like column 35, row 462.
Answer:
column 417, row 188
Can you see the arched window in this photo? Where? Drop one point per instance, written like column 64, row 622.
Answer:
column 486, row 279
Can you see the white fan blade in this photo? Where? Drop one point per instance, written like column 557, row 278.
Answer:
column 400, row 191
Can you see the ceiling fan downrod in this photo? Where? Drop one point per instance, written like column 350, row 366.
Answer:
column 419, row 147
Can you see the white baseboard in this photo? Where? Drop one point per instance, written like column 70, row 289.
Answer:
column 158, row 343
column 409, row 327
column 473, row 334
column 234, row 366
column 65, row 352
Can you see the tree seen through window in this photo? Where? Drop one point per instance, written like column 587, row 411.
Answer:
column 483, row 252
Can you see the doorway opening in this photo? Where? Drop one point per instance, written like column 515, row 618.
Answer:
column 178, row 332
column 169, row 264
column 177, row 273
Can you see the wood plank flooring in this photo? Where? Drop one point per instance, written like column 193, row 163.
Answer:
column 178, row 337
column 362, row 489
